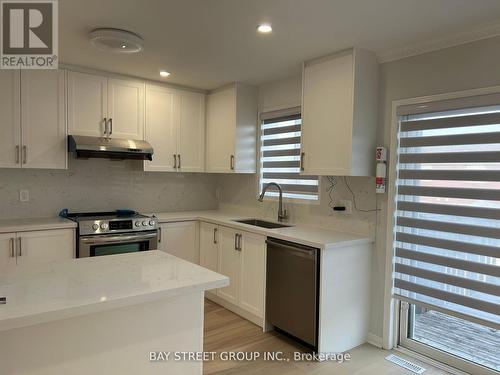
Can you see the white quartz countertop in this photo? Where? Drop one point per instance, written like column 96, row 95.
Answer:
column 44, row 223
column 307, row 235
column 48, row 292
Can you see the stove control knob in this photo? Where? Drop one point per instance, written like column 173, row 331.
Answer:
column 104, row 226
column 137, row 223
column 95, row 226
column 151, row 222
column 144, row 223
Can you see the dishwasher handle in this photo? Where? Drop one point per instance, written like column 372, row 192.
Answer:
column 299, row 250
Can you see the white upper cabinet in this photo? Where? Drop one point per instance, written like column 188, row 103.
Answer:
column 191, row 132
column 175, row 127
column 339, row 114
column 161, row 129
column 105, row 107
column 10, row 119
column 87, row 104
column 33, row 117
column 43, row 119
column 126, row 109
column 232, row 129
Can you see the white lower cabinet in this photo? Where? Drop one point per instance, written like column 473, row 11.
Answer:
column 42, row 246
column 229, row 264
column 209, row 246
column 252, row 273
column 241, row 256
column 181, row 240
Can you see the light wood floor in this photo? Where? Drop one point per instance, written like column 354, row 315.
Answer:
column 226, row 331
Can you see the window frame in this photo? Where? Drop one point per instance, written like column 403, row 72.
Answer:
column 282, row 112
column 393, row 321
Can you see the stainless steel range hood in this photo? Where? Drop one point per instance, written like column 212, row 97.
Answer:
column 109, row 148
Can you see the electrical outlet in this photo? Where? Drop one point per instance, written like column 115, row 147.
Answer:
column 24, row 195
column 348, row 206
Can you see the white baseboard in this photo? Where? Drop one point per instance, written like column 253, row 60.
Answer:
column 374, row 340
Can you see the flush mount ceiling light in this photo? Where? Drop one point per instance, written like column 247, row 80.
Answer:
column 264, row 28
column 116, row 40
column 164, row 73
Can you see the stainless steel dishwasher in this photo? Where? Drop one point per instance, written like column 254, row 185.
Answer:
column 292, row 289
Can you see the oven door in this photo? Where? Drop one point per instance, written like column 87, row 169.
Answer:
column 109, row 244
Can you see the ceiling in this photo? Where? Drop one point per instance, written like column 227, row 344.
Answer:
column 209, row 43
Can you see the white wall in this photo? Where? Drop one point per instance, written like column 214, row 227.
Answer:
column 100, row 184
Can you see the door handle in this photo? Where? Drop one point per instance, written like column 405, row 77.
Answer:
column 20, row 250
column 231, row 162
column 215, row 235
column 179, row 158
column 25, row 154
column 18, row 150
column 12, row 248
column 175, row 161
column 110, row 126
column 105, row 126
column 302, row 157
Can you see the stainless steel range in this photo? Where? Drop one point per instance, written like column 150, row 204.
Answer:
column 108, row 233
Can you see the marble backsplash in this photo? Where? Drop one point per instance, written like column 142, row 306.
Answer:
column 238, row 193
column 100, row 184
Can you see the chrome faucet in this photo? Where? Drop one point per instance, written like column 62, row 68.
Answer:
column 281, row 212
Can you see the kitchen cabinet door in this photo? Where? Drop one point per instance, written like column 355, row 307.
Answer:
column 181, row 239
column 87, row 104
column 229, row 264
column 43, row 119
column 7, row 251
column 339, row 114
column 209, row 246
column 191, row 132
column 221, row 131
column 45, row 246
column 161, row 129
column 126, row 108
column 10, row 141
column 253, row 273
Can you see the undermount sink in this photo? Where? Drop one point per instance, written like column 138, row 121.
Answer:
column 262, row 223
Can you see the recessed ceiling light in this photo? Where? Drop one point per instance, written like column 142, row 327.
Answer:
column 164, row 73
column 264, row 28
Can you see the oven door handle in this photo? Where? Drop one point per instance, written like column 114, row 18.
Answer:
column 117, row 239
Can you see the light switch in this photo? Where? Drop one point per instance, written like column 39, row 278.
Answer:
column 24, row 195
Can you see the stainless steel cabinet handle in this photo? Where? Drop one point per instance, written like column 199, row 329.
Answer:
column 175, row 161
column 20, row 250
column 105, row 126
column 239, row 242
column 231, row 162
column 110, row 126
column 17, row 154
column 179, row 157
column 215, row 235
column 159, row 234
column 12, row 246
column 302, row 157
column 25, row 154
column 236, row 241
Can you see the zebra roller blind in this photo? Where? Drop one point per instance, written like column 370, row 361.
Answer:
column 280, row 156
column 447, row 218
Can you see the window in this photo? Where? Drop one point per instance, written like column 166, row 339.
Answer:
column 447, row 233
column 280, row 156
